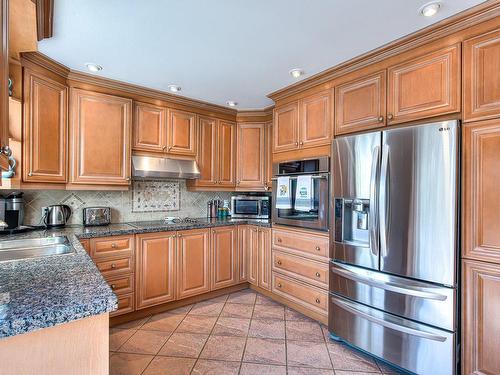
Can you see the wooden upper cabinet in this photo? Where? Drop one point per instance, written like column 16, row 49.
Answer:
column 481, row 206
column 481, row 77
column 45, row 129
column 226, row 154
column 269, row 157
column 361, row 104
column 181, row 133
column 286, row 135
column 207, row 151
column 251, row 151
column 100, row 138
column 425, row 86
column 315, row 125
column 150, row 128
column 265, row 258
column 480, row 325
column 155, row 268
column 193, row 262
column 224, row 257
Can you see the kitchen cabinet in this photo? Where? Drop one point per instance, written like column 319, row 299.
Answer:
column 360, row 104
column 4, row 80
column 258, row 250
column 226, row 154
column 251, row 156
column 207, row 156
column 269, row 156
column 425, row 86
column 45, row 128
column 481, row 87
column 481, row 173
column 181, row 133
column 304, row 123
column 155, row 268
column 253, row 255
column 150, row 128
column 480, row 324
column 100, row 146
column 193, row 262
column 224, row 245
column 244, row 245
column 304, row 269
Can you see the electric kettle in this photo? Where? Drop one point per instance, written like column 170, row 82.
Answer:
column 57, row 215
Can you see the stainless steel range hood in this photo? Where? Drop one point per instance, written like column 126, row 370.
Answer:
column 157, row 167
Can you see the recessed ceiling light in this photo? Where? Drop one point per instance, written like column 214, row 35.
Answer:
column 94, row 68
column 430, row 9
column 232, row 103
column 296, row 72
column 174, row 88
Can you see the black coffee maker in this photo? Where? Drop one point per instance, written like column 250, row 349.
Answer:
column 12, row 210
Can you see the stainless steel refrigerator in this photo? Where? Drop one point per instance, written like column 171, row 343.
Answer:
column 394, row 245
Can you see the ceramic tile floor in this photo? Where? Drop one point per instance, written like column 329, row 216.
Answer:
column 241, row 333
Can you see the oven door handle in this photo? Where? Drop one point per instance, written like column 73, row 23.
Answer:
column 315, row 176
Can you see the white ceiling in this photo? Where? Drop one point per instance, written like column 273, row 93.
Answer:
column 219, row 50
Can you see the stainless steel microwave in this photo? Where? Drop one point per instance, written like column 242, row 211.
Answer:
column 250, row 207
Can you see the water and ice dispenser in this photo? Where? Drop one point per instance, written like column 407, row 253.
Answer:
column 352, row 221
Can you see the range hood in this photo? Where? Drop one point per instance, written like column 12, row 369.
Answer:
column 157, row 167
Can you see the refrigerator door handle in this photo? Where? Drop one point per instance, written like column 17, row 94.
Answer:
column 383, row 199
column 386, row 283
column 388, row 321
column 373, row 213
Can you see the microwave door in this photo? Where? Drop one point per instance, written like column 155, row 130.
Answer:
column 355, row 174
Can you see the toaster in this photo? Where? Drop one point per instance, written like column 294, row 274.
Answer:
column 96, row 216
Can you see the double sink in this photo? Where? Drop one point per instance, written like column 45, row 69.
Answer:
column 34, row 248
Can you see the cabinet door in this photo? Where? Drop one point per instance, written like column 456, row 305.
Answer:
column 253, row 256
column 150, row 129
column 285, row 135
column 269, row 156
column 101, row 132
column 193, row 262
column 224, row 257
column 360, row 104
column 207, row 151
column 265, row 258
column 181, row 137
column 481, row 78
column 244, row 245
column 227, row 154
column 481, row 326
column 44, row 129
column 155, row 268
column 4, row 80
column 481, row 173
column 250, row 163
column 424, row 87
column 315, row 120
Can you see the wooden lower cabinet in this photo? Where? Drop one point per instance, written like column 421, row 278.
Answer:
column 224, row 257
column 257, row 246
column 193, row 262
column 155, row 268
column 480, row 323
column 244, row 245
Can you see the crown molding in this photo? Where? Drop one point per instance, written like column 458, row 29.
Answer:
column 255, row 115
column 458, row 22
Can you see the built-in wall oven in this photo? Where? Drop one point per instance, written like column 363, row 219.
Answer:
column 286, row 176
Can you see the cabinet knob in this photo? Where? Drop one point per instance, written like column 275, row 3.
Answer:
column 213, row 231
column 296, row 143
column 255, row 230
column 113, row 245
column 113, row 265
column 390, row 116
column 220, row 182
column 169, row 148
column 238, row 182
column 318, row 274
column 164, row 148
column 30, row 174
column 301, row 143
column 113, row 286
column 280, row 240
column 215, row 182
column 279, row 262
column 128, row 178
column 279, row 285
column 381, row 119
column 179, row 235
column 318, row 248
column 318, row 300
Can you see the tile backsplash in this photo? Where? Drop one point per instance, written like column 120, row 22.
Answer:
column 185, row 203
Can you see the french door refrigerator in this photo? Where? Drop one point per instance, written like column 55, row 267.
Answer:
column 394, row 229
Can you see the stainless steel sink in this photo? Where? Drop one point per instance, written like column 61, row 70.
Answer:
column 34, row 248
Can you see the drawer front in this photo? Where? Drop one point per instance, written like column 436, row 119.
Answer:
column 121, row 284
column 125, row 304
column 301, row 268
column 111, row 246
column 301, row 243
column 111, row 267
column 306, row 295
column 86, row 245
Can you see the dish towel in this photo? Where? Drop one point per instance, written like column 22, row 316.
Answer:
column 283, row 196
column 304, row 194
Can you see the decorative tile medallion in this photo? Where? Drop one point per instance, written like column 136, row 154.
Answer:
column 155, row 196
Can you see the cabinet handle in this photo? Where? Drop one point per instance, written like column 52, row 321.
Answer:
column 318, row 248
column 318, row 300
column 215, row 182
column 220, row 182
column 164, row 148
column 390, row 116
column 113, row 245
column 279, row 262
column 113, row 265
column 169, row 148
column 318, row 274
column 128, row 178
column 113, row 286
column 238, row 182
column 254, row 230
column 381, row 119
column 30, row 174
column 279, row 285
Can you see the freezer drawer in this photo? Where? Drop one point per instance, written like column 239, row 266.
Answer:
column 416, row 300
column 415, row 347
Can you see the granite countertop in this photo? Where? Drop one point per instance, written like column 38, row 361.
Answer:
column 42, row 292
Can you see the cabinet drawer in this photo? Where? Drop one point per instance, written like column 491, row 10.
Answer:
column 301, row 268
column 111, row 267
column 111, row 246
column 301, row 243
column 125, row 304
column 121, row 284
column 308, row 296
